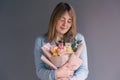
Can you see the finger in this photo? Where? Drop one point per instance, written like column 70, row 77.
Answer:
column 65, row 65
column 71, row 67
column 71, row 73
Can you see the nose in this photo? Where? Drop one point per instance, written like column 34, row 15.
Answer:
column 64, row 23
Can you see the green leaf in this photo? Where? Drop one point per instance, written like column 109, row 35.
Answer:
column 79, row 41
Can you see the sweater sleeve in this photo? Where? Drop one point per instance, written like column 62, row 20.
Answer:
column 82, row 72
column 43, row 73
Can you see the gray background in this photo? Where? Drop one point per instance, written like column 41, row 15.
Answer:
column 21, row 21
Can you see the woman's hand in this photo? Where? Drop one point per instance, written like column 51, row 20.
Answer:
column 74, row 62
column 64, row 72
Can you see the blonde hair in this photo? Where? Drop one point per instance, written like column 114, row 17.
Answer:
column 59, row 10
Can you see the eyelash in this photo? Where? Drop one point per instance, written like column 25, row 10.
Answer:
column 63, row 20
column 69, row 21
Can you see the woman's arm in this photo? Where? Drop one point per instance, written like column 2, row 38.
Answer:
column 82, row 72
column 42, row 72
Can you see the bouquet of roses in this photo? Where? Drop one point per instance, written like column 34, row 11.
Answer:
column 62, row 53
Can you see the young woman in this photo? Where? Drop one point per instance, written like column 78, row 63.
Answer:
column 62, row 25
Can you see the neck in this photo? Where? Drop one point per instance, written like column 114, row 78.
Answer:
column 58, row 37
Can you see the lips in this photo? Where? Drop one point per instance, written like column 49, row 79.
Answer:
column 63, row 28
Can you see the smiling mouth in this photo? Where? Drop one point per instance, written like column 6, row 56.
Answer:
column 63, row 28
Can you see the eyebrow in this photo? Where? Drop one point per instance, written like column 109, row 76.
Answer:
column 68, row 19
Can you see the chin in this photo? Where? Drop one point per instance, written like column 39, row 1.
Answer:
column 63, row 33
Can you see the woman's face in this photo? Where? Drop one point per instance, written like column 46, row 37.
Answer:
column 63, row 24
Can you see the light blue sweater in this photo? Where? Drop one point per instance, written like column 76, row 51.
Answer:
column 44, row 72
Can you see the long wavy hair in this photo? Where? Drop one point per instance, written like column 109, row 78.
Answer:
column 58, row 11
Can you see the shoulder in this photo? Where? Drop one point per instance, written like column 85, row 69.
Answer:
column 40, row 38
column 79, row 36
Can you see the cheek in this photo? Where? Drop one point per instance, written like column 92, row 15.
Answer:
column 58, row 25
column 69, row 26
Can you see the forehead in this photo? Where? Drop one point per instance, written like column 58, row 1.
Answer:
column 66, row 15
